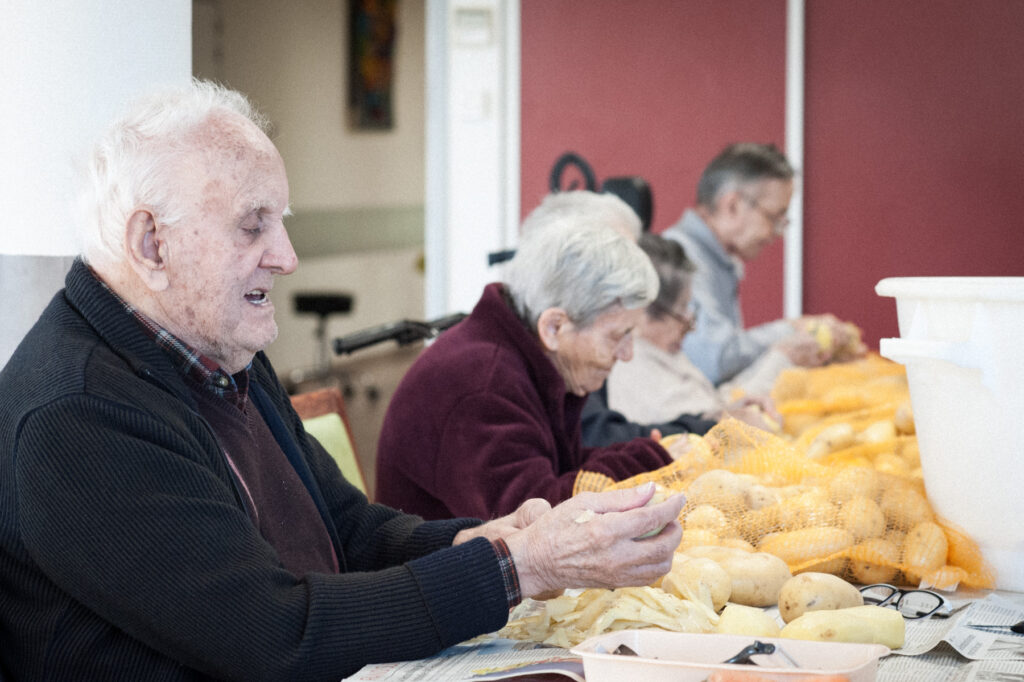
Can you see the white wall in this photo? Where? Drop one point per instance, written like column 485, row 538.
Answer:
column 472, row 206
column 66, row 66
column 291, row 58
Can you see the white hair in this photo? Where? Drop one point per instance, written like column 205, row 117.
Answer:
column 585, row 270
column 133, row 162
column 584, row 208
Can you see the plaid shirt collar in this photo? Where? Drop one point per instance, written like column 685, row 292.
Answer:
column 190, row 362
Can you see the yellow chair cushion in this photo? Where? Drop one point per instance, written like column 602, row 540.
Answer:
column 330, row 431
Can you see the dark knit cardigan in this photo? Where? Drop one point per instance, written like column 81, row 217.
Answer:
column 126, row 552
column 482, row 421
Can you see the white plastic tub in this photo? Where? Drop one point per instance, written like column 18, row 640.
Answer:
column 962, row 341
column 686, row 657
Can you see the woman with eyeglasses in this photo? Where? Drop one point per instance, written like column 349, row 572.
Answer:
column 660, row 381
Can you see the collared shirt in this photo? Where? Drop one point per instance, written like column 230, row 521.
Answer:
column 719, row 345
column 189, row 361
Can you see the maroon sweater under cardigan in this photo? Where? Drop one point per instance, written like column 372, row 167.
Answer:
column 482, row 421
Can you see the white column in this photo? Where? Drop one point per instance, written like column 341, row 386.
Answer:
column 793, row 254
column 66, row 67
column 472, row 146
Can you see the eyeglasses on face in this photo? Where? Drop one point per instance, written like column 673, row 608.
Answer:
column 779, row 221
column 688, row 319
column 910, row 603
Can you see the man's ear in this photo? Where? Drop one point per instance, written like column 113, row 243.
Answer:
column 145, row 249
column 730, row 203
column 550, row 323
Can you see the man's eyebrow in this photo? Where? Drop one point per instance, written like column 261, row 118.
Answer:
column 260, row 204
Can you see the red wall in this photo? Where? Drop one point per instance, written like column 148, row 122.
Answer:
column 914, row 127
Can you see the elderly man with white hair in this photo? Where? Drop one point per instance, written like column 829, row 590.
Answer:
column 489, row 415
column 163, row 514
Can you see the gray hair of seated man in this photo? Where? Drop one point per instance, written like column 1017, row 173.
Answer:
column 134, row 162
column 739, row 165
column 585, row 267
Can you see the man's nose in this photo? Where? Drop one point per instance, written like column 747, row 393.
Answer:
column 280, row 256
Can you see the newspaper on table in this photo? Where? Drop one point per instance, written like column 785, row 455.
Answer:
column 485, row 658
column 991, row 656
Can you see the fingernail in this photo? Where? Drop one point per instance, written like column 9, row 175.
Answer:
column 647, row 487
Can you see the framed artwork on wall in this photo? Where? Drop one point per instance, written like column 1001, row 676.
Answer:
column 371, row 63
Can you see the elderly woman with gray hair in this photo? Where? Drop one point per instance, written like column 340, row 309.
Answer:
column 489, row 415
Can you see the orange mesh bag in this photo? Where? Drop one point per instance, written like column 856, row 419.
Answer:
column 841, row 492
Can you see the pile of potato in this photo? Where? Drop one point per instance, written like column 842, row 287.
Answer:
column 858, row 511
column 718, row 590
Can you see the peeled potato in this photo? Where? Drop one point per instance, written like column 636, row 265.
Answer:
column 863, row 624
column 751, row 621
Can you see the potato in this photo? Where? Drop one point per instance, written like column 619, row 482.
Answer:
column 878, row 432
column 862, row 517
column 874, row 561
column 853, row 482
column 759, row 496
column 713, row 552
column 701, row 580
column 719, row 487
column 904, row 506
column 924, row 550
column 737, row 619
column 811, row 508
column 860, row 624
column 738, row 543
column 831, row 438
column 891, row 463
column 697, row 537
column 816, row 592
column 707, row 517
column 756, row 578
column 797, row 547
column 904, row 418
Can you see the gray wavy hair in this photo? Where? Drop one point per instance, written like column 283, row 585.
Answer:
column 132, row 164
column 579, row 262
column 741, row 164
column 582, row 207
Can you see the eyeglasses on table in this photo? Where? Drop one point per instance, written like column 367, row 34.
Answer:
column 910, row 603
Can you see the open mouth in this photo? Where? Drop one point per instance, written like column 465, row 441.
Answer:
column 257, row 297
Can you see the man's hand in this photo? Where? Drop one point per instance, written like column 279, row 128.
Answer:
column 527, row 513
column 590, row 540
column 802, row 349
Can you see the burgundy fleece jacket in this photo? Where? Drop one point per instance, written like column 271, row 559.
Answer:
column 482, row 421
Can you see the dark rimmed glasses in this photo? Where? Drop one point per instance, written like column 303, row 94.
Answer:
column 911, row 603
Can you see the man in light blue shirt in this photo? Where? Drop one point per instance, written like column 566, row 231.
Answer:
column 742, row 199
